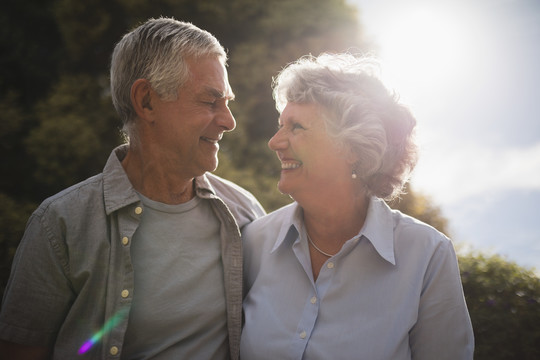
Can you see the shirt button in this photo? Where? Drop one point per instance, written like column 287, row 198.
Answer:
column 138, row 210
column 113, row 350
column 330, row 265
column 303, row 335
column 125, row 293
column 125, row 240
column 313, row 300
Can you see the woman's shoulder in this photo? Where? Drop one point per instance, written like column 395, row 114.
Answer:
column 275, row 219
column 415, row 226
column 381, row 216
column 412, row 234
column 262, row 235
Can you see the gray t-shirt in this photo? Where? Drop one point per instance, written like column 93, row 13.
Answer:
column 178, row 309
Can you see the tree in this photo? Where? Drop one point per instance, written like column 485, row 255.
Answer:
column 76, row 130
column 420, row 207
column 57, row 122
column 504, row 303
column 13, row 217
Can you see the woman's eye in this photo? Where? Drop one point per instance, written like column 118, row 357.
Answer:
column 296, row 126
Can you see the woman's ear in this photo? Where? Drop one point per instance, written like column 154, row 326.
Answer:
column 141, row 98
column 350, row 155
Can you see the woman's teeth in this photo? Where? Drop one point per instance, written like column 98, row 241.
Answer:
column 290, row 165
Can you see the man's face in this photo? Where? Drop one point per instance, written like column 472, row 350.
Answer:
column 188, row 129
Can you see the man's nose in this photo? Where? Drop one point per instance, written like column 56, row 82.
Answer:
column 226, row 119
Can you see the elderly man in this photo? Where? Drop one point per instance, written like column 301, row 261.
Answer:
column 143, row 260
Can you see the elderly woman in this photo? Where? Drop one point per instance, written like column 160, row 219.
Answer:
column 338, row 274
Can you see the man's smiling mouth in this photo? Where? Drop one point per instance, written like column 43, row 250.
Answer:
column 210, row 140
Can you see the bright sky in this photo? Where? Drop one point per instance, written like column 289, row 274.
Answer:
column 470, row 72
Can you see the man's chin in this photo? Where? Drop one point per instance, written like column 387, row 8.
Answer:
column 212, row 166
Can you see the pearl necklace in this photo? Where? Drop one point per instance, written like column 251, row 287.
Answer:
column 316, row 247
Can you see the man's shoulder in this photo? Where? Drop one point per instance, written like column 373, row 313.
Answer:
column 229, row 191
column 241, row 202
column 222, row 185
column 81, row 195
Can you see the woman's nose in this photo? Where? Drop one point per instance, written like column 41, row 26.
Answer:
column 278, row 141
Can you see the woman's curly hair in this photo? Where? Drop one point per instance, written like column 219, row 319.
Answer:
column 360, row 112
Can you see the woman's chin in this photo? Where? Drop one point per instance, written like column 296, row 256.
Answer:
column 283, row 188
column 286, row 189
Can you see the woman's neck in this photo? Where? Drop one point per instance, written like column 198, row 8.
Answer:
column 336, row 222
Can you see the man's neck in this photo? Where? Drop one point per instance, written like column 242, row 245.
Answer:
column 149, row 177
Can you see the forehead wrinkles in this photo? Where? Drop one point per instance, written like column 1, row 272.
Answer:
column 210, row 81
column 305, row 113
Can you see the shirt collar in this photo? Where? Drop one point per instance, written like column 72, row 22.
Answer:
column 117, row 189
column 378, row 228
column 203, row 187
column 291, row 227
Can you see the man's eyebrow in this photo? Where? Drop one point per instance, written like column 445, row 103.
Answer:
column 219, row 94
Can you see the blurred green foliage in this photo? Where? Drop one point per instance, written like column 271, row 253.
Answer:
column 504, row 304
column 57, row 123
column 422, row 208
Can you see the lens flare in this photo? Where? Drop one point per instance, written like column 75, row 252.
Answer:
column 109, row 325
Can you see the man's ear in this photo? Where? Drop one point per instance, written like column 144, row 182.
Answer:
column 141, row 98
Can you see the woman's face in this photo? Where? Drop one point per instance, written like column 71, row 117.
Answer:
column 312, row 165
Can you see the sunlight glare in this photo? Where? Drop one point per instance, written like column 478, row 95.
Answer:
column 425, row 57
column 422, row 51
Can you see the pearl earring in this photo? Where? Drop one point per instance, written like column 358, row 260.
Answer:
column 354, row 176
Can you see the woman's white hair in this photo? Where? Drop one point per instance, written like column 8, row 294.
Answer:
column 359, row 112
column 157, row 51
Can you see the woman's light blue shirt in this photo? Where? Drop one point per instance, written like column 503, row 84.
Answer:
column 392, row 292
